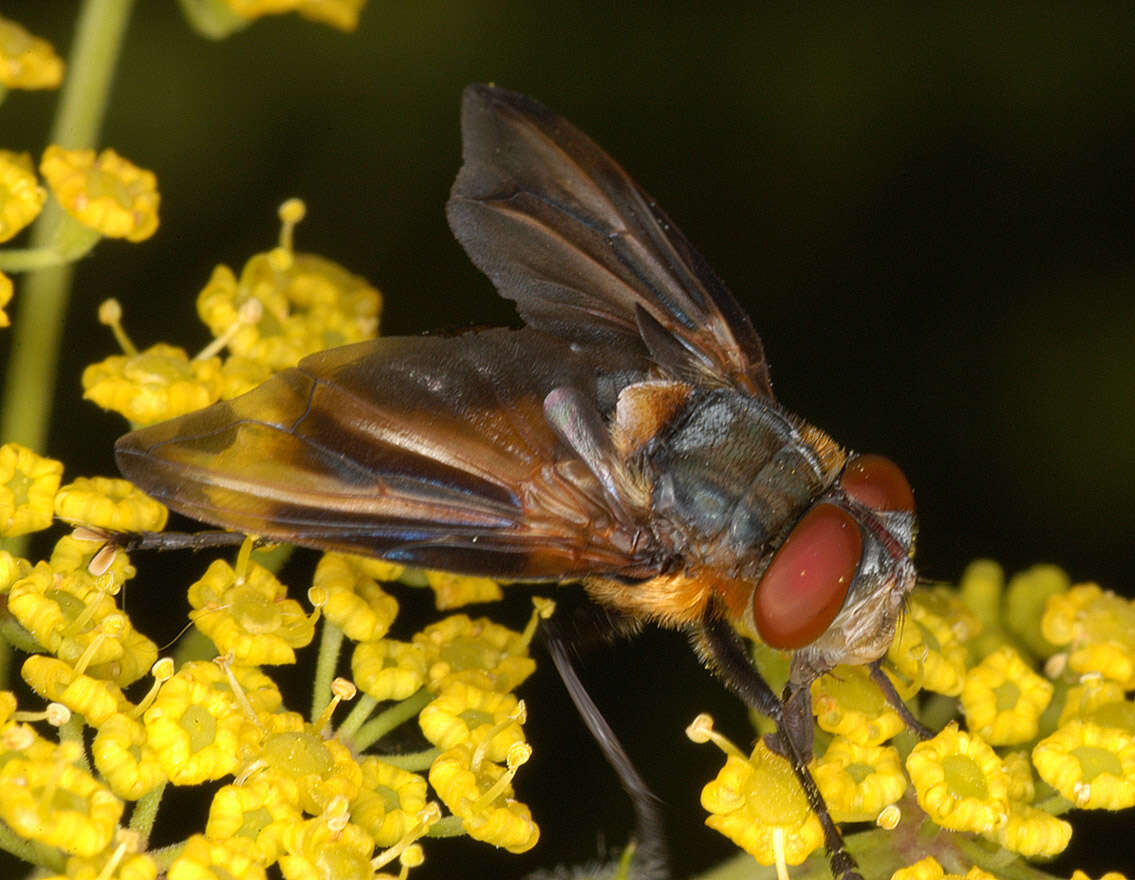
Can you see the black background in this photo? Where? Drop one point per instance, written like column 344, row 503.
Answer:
column 928, row 213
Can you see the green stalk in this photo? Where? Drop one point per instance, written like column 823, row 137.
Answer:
column 41, row 308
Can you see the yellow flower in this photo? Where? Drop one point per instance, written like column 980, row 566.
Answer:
column 5, row 298
column 111, row 504
column 1097, row 699
column 54, row 802
column 106, row 193
column 479, row 652
column 924, row 869
column 463, row 713
column 250, row 619
column 66, row 616
column 1098, row 630
column 1022, row 786
column 318, row 849
column 195, row 725
column 857, row 781
column 390, row 800
column 55, row 680
column 480, row 794
column 307, row 304
column 1003, row 698
column 256, row 809
column 1092, row 766
column 1033, row 833
column 312, row 771
column 125, row 761
column 960, row 782
column 28, row 484
column 849, row 704
column 759, row 805
column 26, row 61
column 378, row 569
column 21, row 196
column 1110, row 875
column 453, row 590
column 388, row 670
column 158, row 383
column 203, row 858
column 355, row 602
column 929, row 645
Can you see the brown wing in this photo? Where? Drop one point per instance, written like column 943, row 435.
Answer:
column 430, row 451
column 561, row 229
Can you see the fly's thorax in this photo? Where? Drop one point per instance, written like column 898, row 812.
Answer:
column 730, row 473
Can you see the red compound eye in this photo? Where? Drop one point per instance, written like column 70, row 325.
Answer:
column 877, row 482
column 805, row 584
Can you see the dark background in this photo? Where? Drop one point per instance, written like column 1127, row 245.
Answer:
column 928, row 213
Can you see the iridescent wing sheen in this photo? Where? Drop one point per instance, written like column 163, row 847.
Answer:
column 561, row 229
column 429, row 451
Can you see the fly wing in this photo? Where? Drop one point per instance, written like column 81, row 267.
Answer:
column 561, row 229
column 429, row 451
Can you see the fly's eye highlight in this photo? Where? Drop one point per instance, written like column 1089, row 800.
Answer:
column 804, row 586
column 877, row 482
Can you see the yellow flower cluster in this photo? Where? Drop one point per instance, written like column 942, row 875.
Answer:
column 282, row 307
column 301, row 794
column 1041, row 671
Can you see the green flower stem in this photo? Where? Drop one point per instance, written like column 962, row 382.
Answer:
column 330, row 645
column 146, row 812
column 31, row 852
column 414, row 762
column 33, row 259
column 25, row 410
column 378, row 727
column 166, row 855
column 72, row 731
column 357, row 716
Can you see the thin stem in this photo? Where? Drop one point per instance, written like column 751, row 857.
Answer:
column 146, row 812
column 415, row 762
column 382, row 724
column 330, row 644
column 357, row 716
